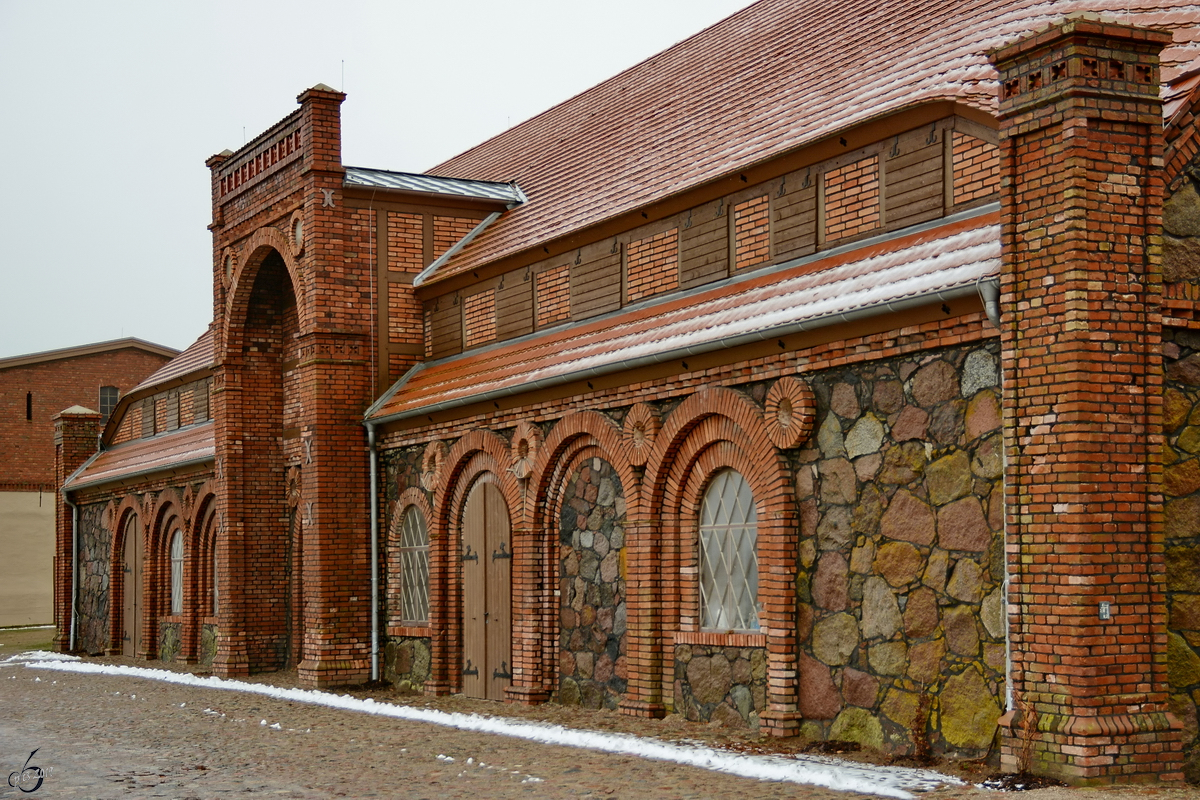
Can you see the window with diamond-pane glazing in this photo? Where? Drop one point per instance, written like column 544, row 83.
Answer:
column 728, row 555
column 414, row 568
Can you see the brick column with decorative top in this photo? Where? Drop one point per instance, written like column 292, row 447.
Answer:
column 76, row 433
column 1081, row 144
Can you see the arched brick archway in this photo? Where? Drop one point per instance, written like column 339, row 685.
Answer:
column 575, row 438
column 476, row 455
column 714, row 429
column 126, row 607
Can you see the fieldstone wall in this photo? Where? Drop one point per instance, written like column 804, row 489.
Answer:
column 208, row 644
column 95, row 548
column 1181, row 491
column 721, row 684
column 170, row 640
column 406, row 663
column 1181, row 225
column 902, row 613
column 592, row 619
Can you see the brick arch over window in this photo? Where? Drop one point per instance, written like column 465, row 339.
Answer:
column 1183, row 145
column 261, row 244
column 167, row 517
column 575, row 436
column 408, row 499
column 200, row 581
column 130, row 507
column 475, row 454
column 714, row 429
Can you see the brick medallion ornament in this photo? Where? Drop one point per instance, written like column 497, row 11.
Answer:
column 641, row 427
column 789, row 413
column 295, row 232
column 525, row 445
column 431, row 465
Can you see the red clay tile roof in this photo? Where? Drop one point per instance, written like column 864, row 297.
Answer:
column 773, row 77
column 199, row 355
column 170, row 451
column 816, row 290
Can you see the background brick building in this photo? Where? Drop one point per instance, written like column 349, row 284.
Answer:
column 822, row 393
column 33, row 388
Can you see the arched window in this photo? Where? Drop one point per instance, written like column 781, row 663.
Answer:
column 216, row 593
column 728, row 555
column 177, row 572
column 414, row 568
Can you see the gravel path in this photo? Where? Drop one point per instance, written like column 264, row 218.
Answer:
column 122, row 736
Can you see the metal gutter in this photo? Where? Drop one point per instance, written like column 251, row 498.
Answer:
column 864, row 312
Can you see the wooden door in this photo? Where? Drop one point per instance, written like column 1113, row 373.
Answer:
column 487, row 593
column 131, row 611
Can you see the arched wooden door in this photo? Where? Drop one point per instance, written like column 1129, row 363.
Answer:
column 131, row 610
column 487, row 593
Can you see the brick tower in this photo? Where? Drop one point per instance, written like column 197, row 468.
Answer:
column 1081, row 150
column 293, row 304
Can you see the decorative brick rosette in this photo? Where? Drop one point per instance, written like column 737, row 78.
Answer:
column 640, row 429
column 293, row 487
column 790, row 411
column 525, row 445
column 431, row 465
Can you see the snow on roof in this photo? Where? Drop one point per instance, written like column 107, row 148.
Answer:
column 179, row 449
column 812, row 291
column 776, row 76
column 432, row 184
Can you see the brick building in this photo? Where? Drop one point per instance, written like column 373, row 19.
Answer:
column 850, row 390
column 33, row 388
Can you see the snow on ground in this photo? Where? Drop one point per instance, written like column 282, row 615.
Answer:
column 815, row 770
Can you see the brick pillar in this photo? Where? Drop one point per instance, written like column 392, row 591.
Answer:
column 1081, row 149
column 335, row 386
column 76, row 432
column 644, row 625
column 532, row 612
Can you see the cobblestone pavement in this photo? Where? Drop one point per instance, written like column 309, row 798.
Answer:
column 122, row 736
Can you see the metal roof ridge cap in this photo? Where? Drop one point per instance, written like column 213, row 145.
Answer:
column 391, row 392
column 887, row 306
column 431, row 175
column 424, row 274
column 173, row 467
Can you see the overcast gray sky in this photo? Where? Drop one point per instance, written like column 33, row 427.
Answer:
column 114, row 107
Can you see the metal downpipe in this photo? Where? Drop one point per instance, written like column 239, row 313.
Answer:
column 374, row 551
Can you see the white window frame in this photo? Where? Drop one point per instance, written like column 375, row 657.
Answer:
column 413, row 568
column 727, row 541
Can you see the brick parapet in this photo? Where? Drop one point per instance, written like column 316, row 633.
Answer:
column 1081, row 159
